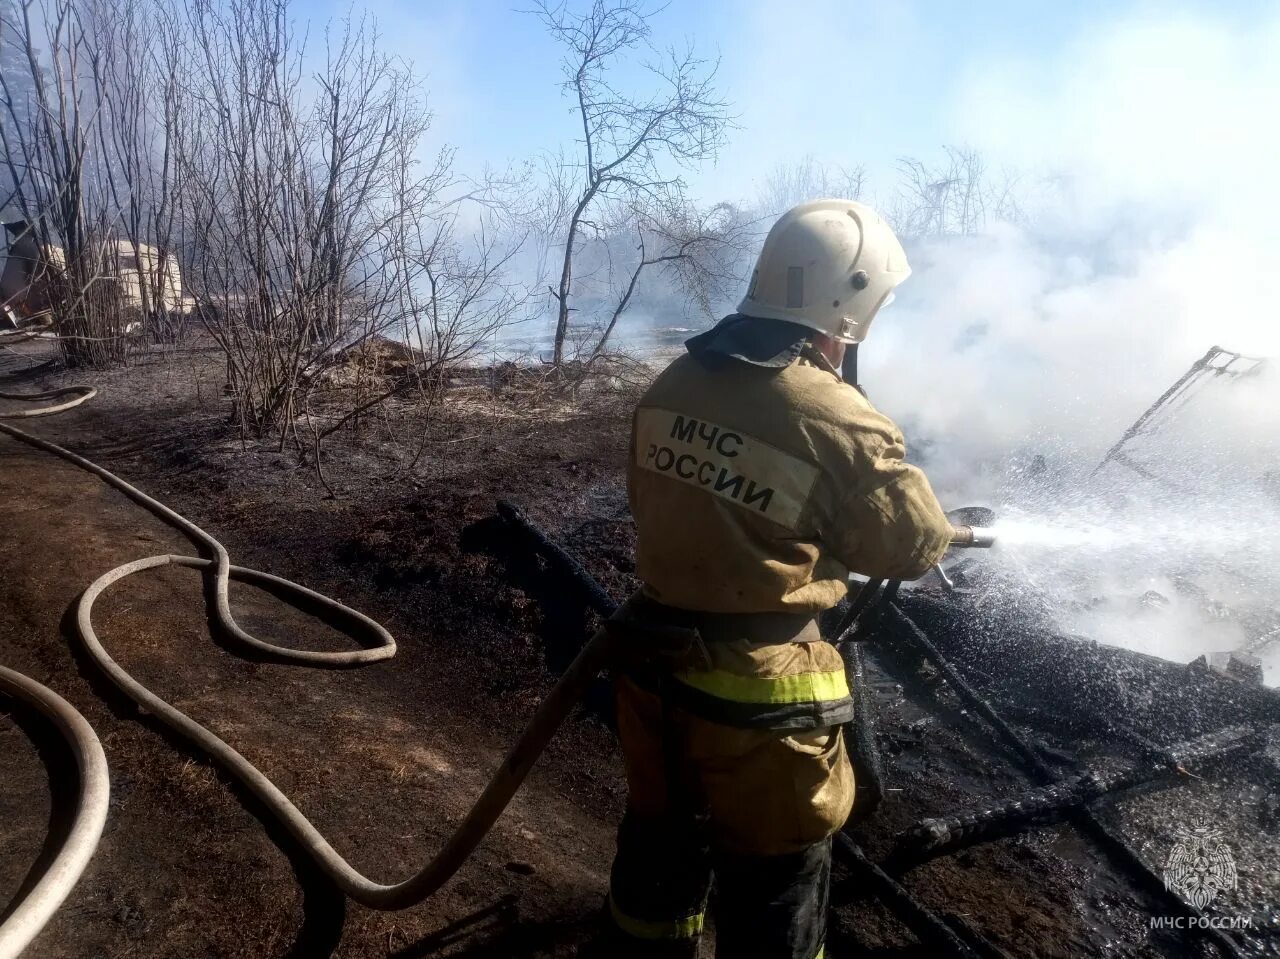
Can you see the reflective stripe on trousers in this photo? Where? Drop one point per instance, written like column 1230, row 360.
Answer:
column 686, row 928
column 753, row 807
column 749, row 670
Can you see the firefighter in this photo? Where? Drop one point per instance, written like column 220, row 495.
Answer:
column 759, row 480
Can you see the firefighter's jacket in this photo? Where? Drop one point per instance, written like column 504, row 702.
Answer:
column 758, row 489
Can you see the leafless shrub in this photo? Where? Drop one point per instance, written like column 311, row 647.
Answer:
column 311, row 227
column 697, row 251
column 287, row 197
column 462, row 297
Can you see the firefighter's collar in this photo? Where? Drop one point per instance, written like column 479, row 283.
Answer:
column 760, row 342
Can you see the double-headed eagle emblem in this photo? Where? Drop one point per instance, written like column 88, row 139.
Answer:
column 1200, row 866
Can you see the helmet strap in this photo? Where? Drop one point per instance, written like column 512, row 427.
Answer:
column 849, row 369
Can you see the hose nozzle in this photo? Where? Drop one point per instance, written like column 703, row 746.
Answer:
column 972, row 537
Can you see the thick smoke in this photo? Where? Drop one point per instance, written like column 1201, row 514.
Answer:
column 1147, row 231
column 1024, row 341
column 1015, row 359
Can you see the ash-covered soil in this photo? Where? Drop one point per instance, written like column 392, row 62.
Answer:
column 386, row 759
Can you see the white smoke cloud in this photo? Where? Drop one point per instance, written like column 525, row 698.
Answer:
column 1019, row 339
column 1146, row 148
column 1159, row 238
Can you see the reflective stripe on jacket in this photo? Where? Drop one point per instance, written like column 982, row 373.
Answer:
column 750, row 671
column 757, row 490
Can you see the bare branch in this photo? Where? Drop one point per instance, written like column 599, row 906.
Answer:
column 628, row 140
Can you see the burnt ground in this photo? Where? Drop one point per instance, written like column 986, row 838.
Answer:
column 386, row 759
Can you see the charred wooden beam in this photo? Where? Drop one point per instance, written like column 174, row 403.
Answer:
column 944, row 835
column 1011, row 737
column 925, row 925
column 557, row 557
column 1110, row 841
column 1021, row 647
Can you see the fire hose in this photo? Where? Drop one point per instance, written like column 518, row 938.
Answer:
column 378, row 645
column 30, row 915
column 81, row 393
column 504, row 783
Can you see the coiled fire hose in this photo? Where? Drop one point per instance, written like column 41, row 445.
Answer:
column 504, row 783
column 28, row 916
column 502, row 786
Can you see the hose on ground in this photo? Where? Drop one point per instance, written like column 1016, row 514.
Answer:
column 502, row 786
column 29, row 916
column 860, row 732
column 81, row 393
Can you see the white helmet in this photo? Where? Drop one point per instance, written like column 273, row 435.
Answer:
column 828, row 265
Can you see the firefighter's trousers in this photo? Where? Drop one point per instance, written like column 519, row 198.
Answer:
column 756, row 807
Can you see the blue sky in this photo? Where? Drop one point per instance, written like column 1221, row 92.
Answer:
column 847, row 82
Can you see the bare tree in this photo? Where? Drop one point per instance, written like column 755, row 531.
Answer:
column 49, row 144
column 789, row 184
column 698, row 251
column 956, row 197
column 627, row 140
column 141, row 71
column 87, row 144
column 547, row 205
column 16, row 86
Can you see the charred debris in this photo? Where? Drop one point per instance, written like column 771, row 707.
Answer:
column 1106, row 740
column 1165, row 725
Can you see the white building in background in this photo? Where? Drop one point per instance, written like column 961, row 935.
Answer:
column 24, row 266
column 131, row 267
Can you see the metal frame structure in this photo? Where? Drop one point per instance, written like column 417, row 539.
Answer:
column 1216, row 363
